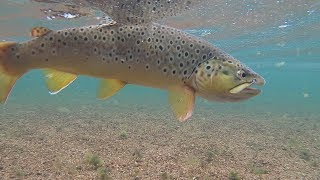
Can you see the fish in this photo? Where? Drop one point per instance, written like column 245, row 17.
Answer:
column 132, row 48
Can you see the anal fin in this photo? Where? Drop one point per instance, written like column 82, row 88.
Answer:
column 57, row 80
column 109, row 87
column 182, row 100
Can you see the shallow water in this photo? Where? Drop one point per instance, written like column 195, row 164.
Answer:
column 278, row 39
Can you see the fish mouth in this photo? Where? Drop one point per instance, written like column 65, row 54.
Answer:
column 246, row 87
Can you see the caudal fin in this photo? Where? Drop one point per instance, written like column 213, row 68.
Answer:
column 7, row 79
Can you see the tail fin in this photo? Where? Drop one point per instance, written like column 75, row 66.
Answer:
column 7, row 79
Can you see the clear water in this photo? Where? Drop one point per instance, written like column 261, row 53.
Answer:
column 278, row 39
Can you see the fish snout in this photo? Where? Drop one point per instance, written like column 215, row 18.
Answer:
column 259, row 80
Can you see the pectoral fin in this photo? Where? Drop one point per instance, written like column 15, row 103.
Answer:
column 108, row 87
column 57, row 80
column 7, row 76
column 182, row 102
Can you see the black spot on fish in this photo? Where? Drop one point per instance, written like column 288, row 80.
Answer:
column 204, row 57
column 164, row 70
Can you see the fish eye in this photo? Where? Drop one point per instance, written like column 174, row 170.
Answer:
column 243, row 75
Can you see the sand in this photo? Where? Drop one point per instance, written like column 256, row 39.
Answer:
column 143, row 142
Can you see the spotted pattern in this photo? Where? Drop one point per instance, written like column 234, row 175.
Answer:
column 153, row 49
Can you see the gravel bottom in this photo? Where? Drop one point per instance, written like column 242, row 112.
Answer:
column 56, row 142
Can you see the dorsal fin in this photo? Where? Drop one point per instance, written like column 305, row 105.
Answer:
column 39, row 31
column 141, row 11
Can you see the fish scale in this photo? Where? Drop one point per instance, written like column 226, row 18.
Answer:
column 122, row 51
column 131, row 49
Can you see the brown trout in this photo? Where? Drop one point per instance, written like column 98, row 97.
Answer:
column 131, row 49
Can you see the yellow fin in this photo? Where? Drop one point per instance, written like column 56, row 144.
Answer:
column 8, row 77
column 182, row 100
column 108, row 87
column 57, row 80
column 6, row 84
column 39, row 31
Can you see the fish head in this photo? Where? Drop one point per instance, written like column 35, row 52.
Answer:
column 225, row 80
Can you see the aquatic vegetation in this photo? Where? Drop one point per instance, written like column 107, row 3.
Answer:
column 165, row 176
column 210, row 155
column 233, row 176
column 123, row 135
column 136, row 173
column 259, row 170
column 305, row 155
column 103, row 173
column 20, row 173
column 93, row 160
column 137, row 154
column 314, row 164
